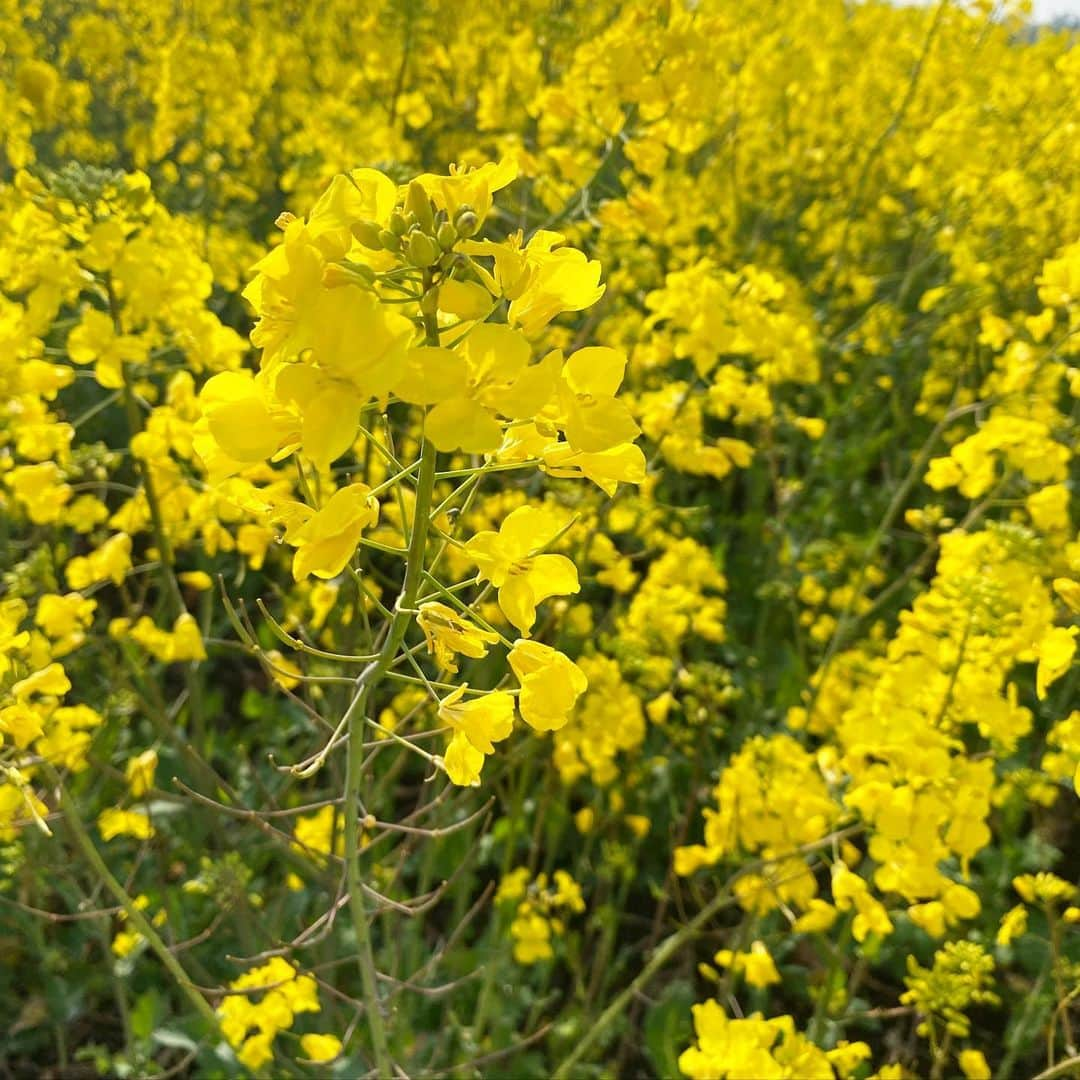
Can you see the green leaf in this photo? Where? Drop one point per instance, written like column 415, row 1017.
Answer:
column 669, row 1027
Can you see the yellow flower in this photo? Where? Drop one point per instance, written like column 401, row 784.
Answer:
column 1013, row 924
column 524, row 579
column 551, row 684
column 462, row 761
column 471, row 188
column 593, row 419
column 243, row 418
column 1069, row 591
column 115, row 822
column 139, row 773
column 326, row 539
column 482, row 720
column 95, row 341
column 320, row 1048
column 488, row 375
column 756, row 965
column 532, row 937
column 446, row 633
column 1056, row 652
column 1043, row 887
column 559, row 279
column 973, row 1065
column 257, row 1050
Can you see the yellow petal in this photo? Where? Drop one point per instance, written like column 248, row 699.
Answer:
column 462, row 424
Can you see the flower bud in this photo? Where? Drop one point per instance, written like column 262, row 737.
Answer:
column 422, row 250
column 465, row 221
column 398, row 225
column 389, row 240
column 418, row 203
column 367, row 233
column 447, row 236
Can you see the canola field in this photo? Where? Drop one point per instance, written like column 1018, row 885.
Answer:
column 538, row 540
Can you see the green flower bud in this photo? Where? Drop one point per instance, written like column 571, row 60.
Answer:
column 398, row 225
column 418, row 203
column 421, row 249
column 389, row 240
column 367, row 233
column 447, row 236
column 466, row 221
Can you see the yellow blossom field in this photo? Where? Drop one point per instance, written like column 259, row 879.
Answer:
column 537, row 540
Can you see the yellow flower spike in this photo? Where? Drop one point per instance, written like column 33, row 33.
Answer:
column 326, row 540
column 551, row 684
column 482, row 720
column 446, row 633
column 524, row 580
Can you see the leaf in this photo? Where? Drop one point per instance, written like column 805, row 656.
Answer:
column 669, row 1028
column 174, row 1040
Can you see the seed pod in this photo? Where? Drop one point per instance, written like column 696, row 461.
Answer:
column 367, row 233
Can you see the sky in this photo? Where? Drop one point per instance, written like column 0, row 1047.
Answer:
column 1044, row 10
column 1049, row 9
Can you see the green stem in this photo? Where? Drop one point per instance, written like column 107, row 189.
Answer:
column 135, row 916
column 355, row 718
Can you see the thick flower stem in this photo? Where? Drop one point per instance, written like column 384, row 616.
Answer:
column 366, row 683
column 368, row 680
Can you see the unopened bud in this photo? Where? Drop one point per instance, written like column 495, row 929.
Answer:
column 389, row 240
column 418, row 203
column 466, row 222
column 398, row 225
column 447, row 236
column 334, row 275
column 422, row 250
column 367, row 233
column 347, row 274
